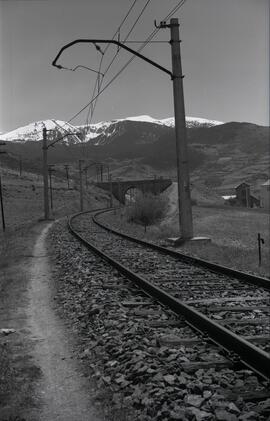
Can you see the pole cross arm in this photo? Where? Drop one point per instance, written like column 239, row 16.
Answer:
column 105, row 41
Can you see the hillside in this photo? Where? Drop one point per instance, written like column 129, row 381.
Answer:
column 220, row 155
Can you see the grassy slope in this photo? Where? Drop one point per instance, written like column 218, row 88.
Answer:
column 233, row 232
column 23, row 205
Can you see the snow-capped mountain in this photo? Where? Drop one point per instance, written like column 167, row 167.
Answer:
column 33, row 131
column 146, row 127
column 105, row 131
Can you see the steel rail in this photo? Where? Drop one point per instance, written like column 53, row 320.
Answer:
column 242, row 276
column 253, row 357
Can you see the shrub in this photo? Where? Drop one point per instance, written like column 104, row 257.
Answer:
column 147, row 209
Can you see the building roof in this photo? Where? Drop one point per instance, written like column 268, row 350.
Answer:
column 242, row 184
column 267, row 183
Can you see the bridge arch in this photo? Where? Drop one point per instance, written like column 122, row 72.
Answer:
column 120, row 187
column 130, row 194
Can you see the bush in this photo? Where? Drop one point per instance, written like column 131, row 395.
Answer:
column 147, row 209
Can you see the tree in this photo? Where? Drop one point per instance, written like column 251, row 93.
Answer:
column 147, row 209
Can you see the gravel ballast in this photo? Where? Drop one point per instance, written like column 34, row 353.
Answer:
column 138, row 374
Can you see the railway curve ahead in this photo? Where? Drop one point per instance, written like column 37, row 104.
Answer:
column 229, row 307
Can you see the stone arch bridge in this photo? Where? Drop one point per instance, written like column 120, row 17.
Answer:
column 119, row 188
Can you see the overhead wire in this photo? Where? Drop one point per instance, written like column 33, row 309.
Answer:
column 94, row 99
column 126, row 37
column 98, row 82
column 98, row 85
column 153, row 33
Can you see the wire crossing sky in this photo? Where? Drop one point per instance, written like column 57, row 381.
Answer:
column 225, row 59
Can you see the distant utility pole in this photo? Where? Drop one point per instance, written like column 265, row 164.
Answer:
column 1, row 194
column 101, row 173
column 45, row 147
column 67, row 175
column 111, row 195
column 50, row 169
column 86, row 175
column 20, row 165
column 45, row 173
column 81, row 184
column 2, row 207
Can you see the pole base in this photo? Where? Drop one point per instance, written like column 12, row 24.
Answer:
column 179, row 241
column 46, row 219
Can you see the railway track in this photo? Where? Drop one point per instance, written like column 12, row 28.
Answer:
column 227, row 307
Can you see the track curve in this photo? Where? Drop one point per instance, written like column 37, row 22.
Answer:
column 251, row 355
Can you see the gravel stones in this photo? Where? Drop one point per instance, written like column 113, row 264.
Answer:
column 118, row 347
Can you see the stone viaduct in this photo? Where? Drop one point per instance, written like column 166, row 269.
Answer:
column 119, row 188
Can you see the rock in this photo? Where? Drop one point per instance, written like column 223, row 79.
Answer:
column 169, row 379
column 194, row 400
column 223, row 415
column 106, row 379
column 249, row 416
column 158, row 377
column 207, row 394
column 177, row 414
column 182, row 381
column 120, row 379
column 198, row 414
column 233, row 408
column 146, row 401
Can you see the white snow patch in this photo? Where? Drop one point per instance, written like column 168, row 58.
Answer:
column 33, row 131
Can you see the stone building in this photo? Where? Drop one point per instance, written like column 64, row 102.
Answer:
column 265, row 194
column 244, row 198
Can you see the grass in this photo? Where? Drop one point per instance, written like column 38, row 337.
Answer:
column 233, row 233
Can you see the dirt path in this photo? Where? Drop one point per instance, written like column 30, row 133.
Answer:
column 46, row 384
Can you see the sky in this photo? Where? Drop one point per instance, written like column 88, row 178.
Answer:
column 224, row 52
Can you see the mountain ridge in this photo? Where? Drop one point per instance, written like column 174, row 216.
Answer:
column 98, row 131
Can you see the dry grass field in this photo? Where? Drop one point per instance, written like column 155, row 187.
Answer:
column 23, row 205
column 233, row 233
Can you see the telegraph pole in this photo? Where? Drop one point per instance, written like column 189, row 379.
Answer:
column 184, row 200
column 20, row 165
column 50, row 178
column 45, row 147
column 86, row 177
column 2, row 207
column 101, row 173
column 81, row 184
column 1, row 194
column 67, row 175
column 111, row 195
column 45, row 174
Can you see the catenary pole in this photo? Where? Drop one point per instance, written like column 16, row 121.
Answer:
column 81, row 184
column 1, row 193
column 45, row 174
column 2, row 206
column 67, row 175
column 50, row 179
column 184, row 200
column 20, row 165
